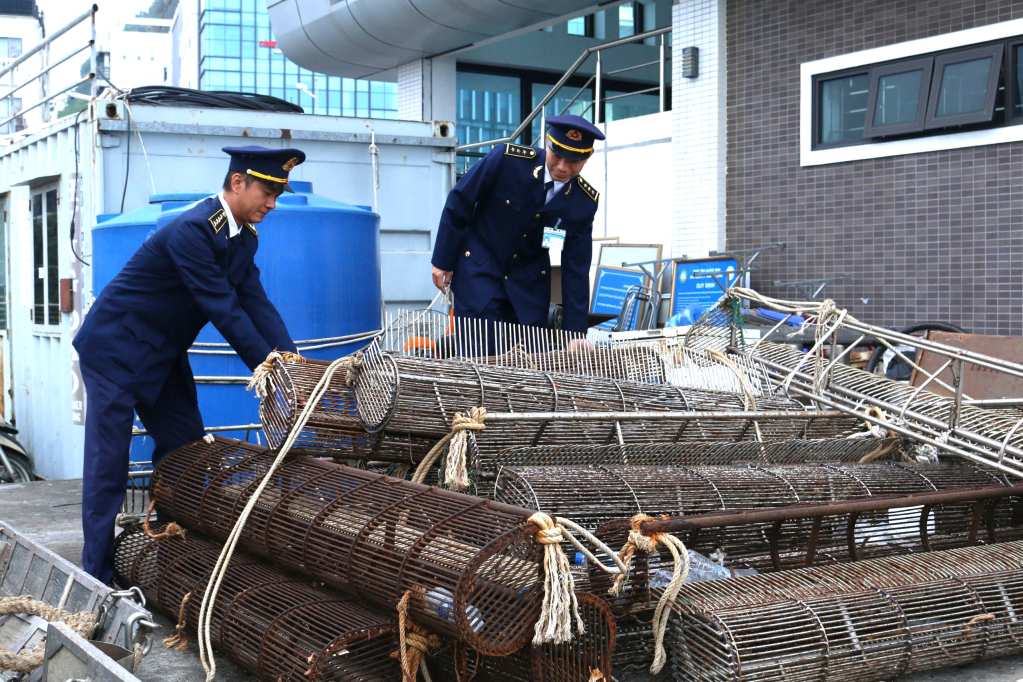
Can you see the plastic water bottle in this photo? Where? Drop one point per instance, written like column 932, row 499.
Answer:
column 441, row 603
column 700, row 569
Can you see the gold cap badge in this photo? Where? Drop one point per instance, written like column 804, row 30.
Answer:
column 574, row 135
column 290, row 163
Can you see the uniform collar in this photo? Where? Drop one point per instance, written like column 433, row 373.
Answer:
column 232, row 224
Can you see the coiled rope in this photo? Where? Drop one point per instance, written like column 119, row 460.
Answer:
column 82, row 623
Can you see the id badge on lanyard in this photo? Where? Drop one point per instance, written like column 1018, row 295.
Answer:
column 554, row 241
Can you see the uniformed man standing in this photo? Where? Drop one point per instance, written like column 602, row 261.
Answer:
column 489, row 244
column 134, row 341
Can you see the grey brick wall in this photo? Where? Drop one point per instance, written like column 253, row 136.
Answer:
column 935, row 236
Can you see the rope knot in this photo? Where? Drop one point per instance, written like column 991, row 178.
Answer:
column 178, row 640
column 351, row 364
column 456, row 474
column 82, row 623
column 172, row 530
column 413, row 641
column 559, row 600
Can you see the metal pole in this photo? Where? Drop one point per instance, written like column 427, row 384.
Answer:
column 23, row 58
column 597, row 111
column 661, row 92
column 812, row 511
column 92, row 55
column 662, row 416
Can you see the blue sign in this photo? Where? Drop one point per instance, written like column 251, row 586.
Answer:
column 694, row 291
column 609, row 289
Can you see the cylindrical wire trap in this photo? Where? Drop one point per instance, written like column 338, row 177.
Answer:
column 278, row 627
column 472, row 565
column 872, row 620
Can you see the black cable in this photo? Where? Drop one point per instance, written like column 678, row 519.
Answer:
column 127, row 162
column 875, row 357
column 74, row 197
column 168, row 96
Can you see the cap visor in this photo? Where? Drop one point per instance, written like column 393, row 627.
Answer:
column 287, row 187
column 562, row 153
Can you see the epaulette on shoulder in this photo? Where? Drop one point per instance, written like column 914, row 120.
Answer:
column 218, row 220
column 590, row 192
column 519, row 151
column 252, row 228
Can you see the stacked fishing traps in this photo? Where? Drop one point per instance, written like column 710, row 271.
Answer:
column 457, row 575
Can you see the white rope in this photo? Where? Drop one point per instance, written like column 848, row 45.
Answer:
column 220, row 569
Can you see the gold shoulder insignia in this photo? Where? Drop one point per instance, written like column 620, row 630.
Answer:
column 218, row 220
column 590, row 192
column 519, row 151
column 252, row 227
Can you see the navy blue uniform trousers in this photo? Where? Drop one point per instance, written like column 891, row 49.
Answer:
column 172, row 421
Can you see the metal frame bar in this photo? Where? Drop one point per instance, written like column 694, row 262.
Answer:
column 46, row 100
column 538, row 109
column 811, row 288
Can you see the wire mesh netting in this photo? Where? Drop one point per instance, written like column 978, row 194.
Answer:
column 694, row 452
column 416, row 395
column 275, row 626
column 574, row 661
column 767, row 546
column 868, row 621
column 472, row 565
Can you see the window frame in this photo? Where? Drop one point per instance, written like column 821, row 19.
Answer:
column 997, row 53
column 872, row 131
column 48, row 320
column 818, row 98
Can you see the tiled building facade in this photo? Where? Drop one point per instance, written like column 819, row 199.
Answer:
column 925, row 236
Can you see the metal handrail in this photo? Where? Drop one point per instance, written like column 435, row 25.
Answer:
column 595, row 49
column 90, row 15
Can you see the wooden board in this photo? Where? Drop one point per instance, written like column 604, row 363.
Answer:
column 978, row 382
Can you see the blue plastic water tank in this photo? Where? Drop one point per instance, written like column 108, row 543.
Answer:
column 319, row 262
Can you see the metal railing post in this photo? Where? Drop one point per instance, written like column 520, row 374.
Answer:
column 597, row 109
column 660, row 71
column 543, row 125
column 92, row 55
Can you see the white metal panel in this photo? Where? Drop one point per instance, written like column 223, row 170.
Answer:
column 182, row 151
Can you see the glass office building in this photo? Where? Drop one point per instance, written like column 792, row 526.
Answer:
column 238, row 52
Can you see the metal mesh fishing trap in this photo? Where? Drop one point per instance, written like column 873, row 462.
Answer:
column 421, row 396
column 334, row 426
column 695, row 452
column 767, row 546
column 862, row 622
column 472, row 565
column 569, row 662
column 275, row 626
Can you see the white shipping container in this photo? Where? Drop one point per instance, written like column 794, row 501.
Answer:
column 175, row 149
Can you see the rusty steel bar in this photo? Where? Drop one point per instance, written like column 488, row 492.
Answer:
column 863, row 622
column 817, row 510
column 277, row 627
column 472, row 565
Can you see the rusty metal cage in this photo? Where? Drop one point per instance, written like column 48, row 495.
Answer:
column 417, row 395
column 695, row 452
column 593, row 495
column 472, row 565
column 277, row 627
column 869, row 621
column 634, row 649
column 568, row 662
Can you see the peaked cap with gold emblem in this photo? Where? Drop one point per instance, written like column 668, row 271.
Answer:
column 571, row 137
column 271, row 165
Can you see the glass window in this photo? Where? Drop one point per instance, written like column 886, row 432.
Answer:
column 46, row 304
column 627, row 20
column 843, row 108
column 898, row 97
column 580, row 27
column 582, row 106
column 39, row 260
column 3, row 264
column 10, row 48
column 629, row 106
column 897, row 100
column 963, row 87
column 489, row 106
column 52, row 259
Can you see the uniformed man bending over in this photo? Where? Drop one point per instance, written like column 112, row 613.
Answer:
column 134, row 342
column 489, row 244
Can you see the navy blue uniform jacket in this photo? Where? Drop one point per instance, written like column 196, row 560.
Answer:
column 185, row 275
column 491, row 234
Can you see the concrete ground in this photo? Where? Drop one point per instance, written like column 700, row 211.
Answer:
column 49, row 512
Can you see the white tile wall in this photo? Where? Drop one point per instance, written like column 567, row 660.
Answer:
column 698, row 129
column 410, row 91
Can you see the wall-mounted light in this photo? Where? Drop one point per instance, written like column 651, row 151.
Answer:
column 690, row 62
